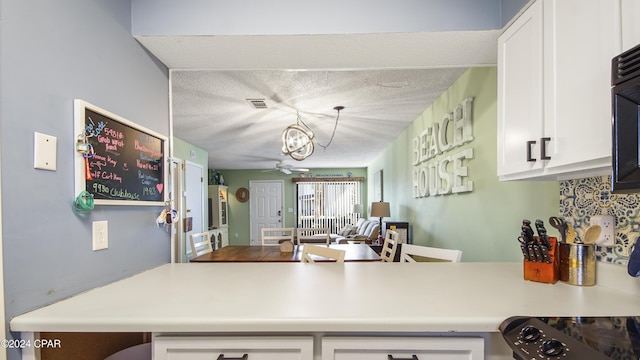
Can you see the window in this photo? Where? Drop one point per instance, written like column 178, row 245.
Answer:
column 327, row 204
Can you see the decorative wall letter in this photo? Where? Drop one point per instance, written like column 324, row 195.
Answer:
column 436, row 172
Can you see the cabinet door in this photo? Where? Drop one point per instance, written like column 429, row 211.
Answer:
column 380, row 348
column 225, row 237
column 219, row 199
column 580, row 38
column 520, row 107
column 211, row 347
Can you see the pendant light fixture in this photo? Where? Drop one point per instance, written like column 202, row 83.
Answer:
column 297, row 139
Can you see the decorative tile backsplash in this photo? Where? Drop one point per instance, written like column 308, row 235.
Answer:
column 582, row 198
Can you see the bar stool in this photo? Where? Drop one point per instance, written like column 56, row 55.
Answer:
column 137, row 352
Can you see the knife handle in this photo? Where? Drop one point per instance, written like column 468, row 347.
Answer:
column 537, row 253
column 532, row 254
column 527, row 232
column 545, row 242
column 545, row 254
column 524, row 252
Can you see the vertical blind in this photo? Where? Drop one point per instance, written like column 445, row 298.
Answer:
column 327, row 204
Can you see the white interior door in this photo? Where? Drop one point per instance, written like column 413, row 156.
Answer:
column 266, row 203
column 177, row 174
column 193, row 200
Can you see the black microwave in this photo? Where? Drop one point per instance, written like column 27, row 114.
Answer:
column 625, row 94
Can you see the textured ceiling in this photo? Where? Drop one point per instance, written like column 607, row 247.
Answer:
column 210, row 110
column 384, row 81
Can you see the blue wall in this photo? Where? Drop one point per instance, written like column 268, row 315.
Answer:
column 509, row 9
column 50, row 53
column 288, row 17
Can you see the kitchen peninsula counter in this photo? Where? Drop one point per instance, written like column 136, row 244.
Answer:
column 328, row 298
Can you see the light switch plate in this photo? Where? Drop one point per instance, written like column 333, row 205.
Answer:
column 44, row 151
column 100, row 235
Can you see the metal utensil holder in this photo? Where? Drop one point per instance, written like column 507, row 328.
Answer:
column 578, row 264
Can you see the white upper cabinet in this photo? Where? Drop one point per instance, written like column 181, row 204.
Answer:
column 520, row 91
column 580, row 38
column 554, row 109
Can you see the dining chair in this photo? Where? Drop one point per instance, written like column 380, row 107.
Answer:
column 200, row 244
column 429, row 253
column 313, row 235
column 390, row 246
column 326, row 252
column 273, row 236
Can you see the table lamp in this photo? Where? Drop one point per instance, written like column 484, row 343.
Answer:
column 357, row 209
column 380, row 209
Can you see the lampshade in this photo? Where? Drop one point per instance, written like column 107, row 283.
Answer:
column 380, row 209
column 357, row 208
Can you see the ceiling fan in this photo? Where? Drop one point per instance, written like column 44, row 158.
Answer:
column 287, row 169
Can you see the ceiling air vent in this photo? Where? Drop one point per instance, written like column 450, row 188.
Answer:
column 257, row 103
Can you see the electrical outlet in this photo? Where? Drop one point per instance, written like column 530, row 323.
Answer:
column 608, row 227
column 100, row 235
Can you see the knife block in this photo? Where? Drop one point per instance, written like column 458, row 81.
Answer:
column 542, row 271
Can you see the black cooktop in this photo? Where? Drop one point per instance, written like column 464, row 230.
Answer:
column 614, row 337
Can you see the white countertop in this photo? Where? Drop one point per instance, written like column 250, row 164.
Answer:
column 349, row 297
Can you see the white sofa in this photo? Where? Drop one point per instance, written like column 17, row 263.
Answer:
column 365, row 230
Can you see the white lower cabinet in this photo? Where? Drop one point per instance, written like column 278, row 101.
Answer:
column 232, row 347
column 213, row 347
column 219, row 238
column 403, row 348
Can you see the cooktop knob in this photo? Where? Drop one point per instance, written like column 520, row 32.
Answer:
column 552, row 347
column 530, row 333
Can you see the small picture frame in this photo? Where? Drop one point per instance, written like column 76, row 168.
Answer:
column 377, row 186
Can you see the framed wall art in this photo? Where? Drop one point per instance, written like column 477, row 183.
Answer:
column 118, row 161
column 377, row 186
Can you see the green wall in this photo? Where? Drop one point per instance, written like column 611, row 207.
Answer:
column 484, row 223
column 239, row 231
column 182, row 150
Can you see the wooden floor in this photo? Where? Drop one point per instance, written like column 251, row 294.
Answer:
column 353, row 252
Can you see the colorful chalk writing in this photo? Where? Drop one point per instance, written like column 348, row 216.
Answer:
column 117, row 146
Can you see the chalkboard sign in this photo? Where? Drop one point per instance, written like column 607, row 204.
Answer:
column 118, row 161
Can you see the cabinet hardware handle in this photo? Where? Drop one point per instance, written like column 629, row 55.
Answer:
column 413, row 357
column 529, row 143
column 543, row 148
column 244, row 357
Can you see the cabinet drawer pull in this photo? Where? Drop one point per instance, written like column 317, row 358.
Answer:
column 413, row 357
column 529, row 143
column 244, row 357
column 543, row 148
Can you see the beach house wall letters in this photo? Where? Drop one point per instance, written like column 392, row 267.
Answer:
column 439, row 166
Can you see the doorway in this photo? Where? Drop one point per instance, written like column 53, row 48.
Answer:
column 266, row 206
column 177, row 174
column 194, row 202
